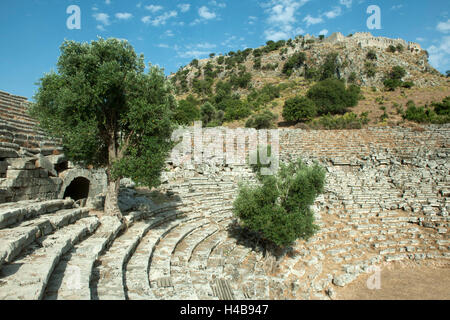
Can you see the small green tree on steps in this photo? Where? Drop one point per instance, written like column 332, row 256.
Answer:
column 278, row 210
column 108, row 112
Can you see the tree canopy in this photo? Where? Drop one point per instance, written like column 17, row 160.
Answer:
column 108, row 112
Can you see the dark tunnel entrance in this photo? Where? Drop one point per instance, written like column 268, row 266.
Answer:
column 77, row 189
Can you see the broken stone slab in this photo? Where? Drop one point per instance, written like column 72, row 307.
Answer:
column 44, row 163
column 343, row 279
column 17, row 213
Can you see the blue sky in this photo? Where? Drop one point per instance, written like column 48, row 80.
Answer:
column 172, row 33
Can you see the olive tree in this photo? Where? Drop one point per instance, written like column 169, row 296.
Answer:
column 108, row 112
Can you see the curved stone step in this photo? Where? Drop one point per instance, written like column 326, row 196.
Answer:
column 137, row 283
column 180, row 273
column 201, row 271
column 72, row 276
column 160, row 266
column 108, row 282
column 12, row 213
column 13, row 240
column 27, row 277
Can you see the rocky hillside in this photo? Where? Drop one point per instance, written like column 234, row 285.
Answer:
column 266, row 63
column 265, row 77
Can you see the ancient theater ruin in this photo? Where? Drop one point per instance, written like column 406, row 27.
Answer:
column 386, row 199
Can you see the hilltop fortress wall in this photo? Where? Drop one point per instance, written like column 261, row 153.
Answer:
column 366, row 39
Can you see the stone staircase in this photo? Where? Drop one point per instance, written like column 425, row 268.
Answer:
column 19, row 134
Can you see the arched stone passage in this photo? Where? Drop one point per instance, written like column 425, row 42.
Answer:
column 77, row 189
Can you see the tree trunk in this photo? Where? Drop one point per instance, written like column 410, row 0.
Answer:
column 112, row 198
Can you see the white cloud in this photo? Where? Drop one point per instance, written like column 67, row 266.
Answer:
column 420, row 39
column 347, row 3
column 440, row 54
column 443, row 27
column 311, row 20
column 146, row 19
column 108, row 2
column 281, row 18
column 396, row 7
column 160, row 20
column 218, row 4
column 252, row 20
column 206, row 45
column 193, row 54
column 323, row 32
column 205, row 13
column 333, row 13
column 169, row 33
column 163, row 45
column 103, row 18
column 276, row 35
column 101, row 28
column 152, row 8
column 184, row 7
column 123, row 15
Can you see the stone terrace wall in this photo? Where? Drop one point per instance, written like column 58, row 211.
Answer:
column 376, row 168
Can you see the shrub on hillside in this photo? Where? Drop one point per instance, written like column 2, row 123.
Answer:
column 439, row 114
column 208, row 113
column 393, row 79
column 331, row 96
column 329, row 67
column 279, row 211
column 442, row 108
column 263, row 120
column 186, row 112
column 236, row 109
column 295, row 61
column 299, row 109
column 371, row 55
column 347, row 121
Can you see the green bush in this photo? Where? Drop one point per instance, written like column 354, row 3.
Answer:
column 261, row 97
column 299, row 109
column 442, row 108
column 312, row 73
column 329, row 67
column 391, row 49
column 279, row 211
column 392, row 84
column 331, row 96
column 295, row 61
column 236, row 109
column 202, row 87
column 371, row 69
column 397, row 73
column 242, row 80
column 393, row 80
column 186, row 112
column 352, row 77
column 263, row 120
column 208, row 113
column 439, row 114
column 347, row 121
column 372, row 55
